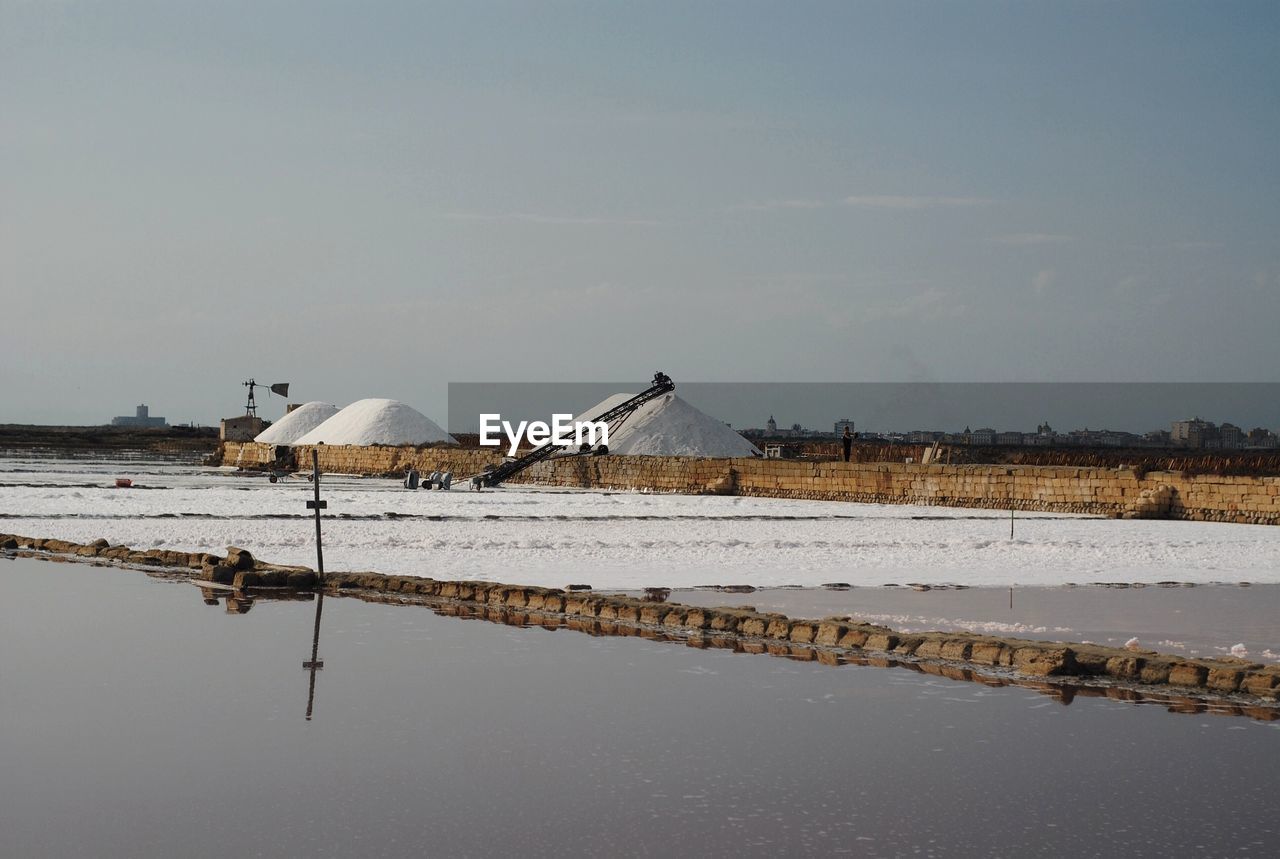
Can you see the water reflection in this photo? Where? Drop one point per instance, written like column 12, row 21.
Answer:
column 315, row 664
column 240, row 602
column 112, row 745
column 236, row 602
column 1063, row 692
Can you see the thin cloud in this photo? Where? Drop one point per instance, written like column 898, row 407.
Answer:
column 1043, row 282
column 1196, row 246
column 929, row 304
column 892, row 201
column 1026, row 239
column 533, row 218
column 780, row 204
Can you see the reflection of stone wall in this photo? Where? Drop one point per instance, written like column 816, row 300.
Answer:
column 1118, row 492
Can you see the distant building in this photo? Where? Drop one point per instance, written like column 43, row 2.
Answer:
column 841, row 424
column 983, row 436
column 1263, row 437
column 1231, row 436
column 243, row 428
column 1193, row 433
column 794, row 431
column 1009, row 437
column 140, row 418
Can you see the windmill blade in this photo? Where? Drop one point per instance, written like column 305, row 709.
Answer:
column 281, row 388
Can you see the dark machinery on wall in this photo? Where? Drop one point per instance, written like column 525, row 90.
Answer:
column 614, row 417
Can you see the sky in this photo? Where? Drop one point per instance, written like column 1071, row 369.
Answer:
column 377, row 199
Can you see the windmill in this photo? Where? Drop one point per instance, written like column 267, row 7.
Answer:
column 251, row 407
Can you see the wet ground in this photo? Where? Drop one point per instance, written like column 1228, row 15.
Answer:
column 547, row 537
column 137, row 720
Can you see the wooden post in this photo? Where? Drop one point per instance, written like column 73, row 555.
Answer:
column 317, row 505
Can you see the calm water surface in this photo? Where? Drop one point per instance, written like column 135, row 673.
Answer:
column 135, row 720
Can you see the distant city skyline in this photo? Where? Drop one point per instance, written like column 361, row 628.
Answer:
column 902, row 407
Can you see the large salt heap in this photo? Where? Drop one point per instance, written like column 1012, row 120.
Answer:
column 377, row 421
column 669, row 426
column 297, row 423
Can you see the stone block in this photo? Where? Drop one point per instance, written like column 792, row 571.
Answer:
column 779, row 628
column 885, row 641
column 1044, row 660
column 629, row 610
column 956, row 649
column 653, row 612
column 239, row 559
column 830, row 632
column 1224, row 678
column 1188, row 674
column 724, row 620
column 696, row 618
column 673, row 617
column 1264, row 683
column 220, row 574
column 908, row 645
column 1125, row 667
column 929, row 648
column 802, row 632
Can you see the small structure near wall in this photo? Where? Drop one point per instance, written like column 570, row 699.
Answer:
column 243, row 428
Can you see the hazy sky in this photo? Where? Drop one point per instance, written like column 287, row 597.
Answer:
column 374, row 199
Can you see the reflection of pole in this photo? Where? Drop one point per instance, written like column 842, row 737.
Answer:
column 315, row 664
column 317, row 505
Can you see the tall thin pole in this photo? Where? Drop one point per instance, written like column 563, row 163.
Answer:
column 317, row 505
column 1012, row 480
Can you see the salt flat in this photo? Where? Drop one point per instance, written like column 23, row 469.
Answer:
column 616, row 539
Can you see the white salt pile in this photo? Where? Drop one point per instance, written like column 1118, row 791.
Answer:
column 297, row 423
column 669, row 426
column 377, row 421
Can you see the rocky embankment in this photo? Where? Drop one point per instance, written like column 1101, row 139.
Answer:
column 238, row 569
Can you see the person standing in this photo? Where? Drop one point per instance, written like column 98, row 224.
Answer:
column 847, row 441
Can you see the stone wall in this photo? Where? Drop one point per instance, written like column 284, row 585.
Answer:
column 1101, row 491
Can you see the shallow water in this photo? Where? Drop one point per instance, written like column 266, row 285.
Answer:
column 136, row 720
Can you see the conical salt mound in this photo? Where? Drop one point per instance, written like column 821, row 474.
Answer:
column 377, row 421
column 297, row 423
column 669, row 426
